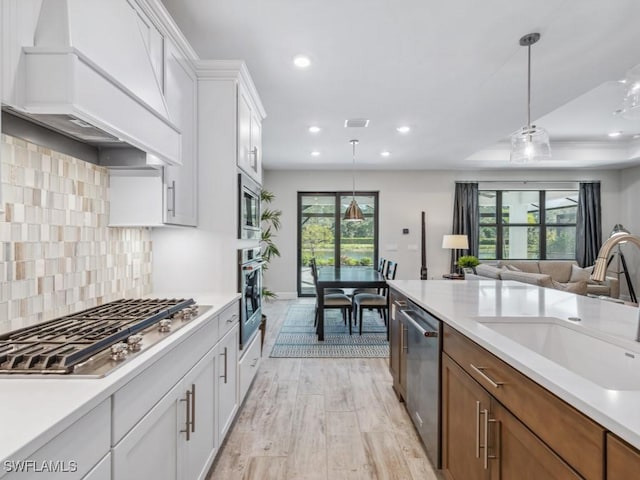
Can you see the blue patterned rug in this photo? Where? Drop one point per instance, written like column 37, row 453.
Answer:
column 297, row 337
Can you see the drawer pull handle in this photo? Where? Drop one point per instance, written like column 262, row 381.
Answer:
column 193, row 408
column 485, row 412
column 477, row 429
column 187, row 400
column 480, row 371
column 225, row 365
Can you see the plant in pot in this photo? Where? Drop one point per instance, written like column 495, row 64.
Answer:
column 468, row 261
column 270, row 223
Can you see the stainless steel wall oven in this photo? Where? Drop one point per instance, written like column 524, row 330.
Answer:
column 248, row 208
column 250, row 287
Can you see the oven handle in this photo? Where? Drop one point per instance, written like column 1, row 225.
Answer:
column 417, row 326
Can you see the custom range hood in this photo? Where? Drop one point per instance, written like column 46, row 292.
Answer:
column 90, row 76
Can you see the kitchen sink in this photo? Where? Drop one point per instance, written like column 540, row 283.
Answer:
column 614, row 365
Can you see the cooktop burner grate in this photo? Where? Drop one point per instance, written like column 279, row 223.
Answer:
column 57, row 345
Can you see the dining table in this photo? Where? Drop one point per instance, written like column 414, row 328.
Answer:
column 345, row 277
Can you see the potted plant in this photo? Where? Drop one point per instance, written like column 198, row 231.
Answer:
column 468, row 261
column 270, row 223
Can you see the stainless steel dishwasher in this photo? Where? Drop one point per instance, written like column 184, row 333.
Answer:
column 423, row 349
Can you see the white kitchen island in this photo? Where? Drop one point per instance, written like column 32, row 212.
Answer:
column 465, row 304
column 76, row 424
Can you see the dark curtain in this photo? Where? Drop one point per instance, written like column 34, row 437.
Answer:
column 466, row 218
column 588, row 224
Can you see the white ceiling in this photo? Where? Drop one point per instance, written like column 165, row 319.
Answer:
column 452, row 70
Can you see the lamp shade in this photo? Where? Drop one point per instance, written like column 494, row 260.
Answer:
column 530, row 144
column 353, row 212
column 458, row 242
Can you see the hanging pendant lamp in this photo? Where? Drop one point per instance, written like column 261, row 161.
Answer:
column 353, row 212
column 530, row 143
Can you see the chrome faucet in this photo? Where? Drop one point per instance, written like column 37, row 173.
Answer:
column 600, row 267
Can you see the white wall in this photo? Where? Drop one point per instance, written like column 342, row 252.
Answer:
column 630, row 218
column 403, row 195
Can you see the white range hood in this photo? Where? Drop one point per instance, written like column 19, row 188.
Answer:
column 89, row 75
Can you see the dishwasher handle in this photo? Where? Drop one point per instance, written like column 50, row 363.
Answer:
column 417, row 326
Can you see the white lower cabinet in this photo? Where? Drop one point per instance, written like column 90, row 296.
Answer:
column 102, row 471
column 248, row 366
column 228, row 380
column 177, row 438
column 169, row 421
column 70, row 455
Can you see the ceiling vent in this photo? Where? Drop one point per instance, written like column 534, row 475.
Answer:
column 356, row 123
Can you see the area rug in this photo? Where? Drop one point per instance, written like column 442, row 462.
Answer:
column 297, row 337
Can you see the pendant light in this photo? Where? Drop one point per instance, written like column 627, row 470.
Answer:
column 353, row 212
column 530, row 143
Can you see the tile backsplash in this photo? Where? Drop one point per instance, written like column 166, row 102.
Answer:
column 57, row 254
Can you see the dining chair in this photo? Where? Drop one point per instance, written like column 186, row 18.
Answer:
column 332, row 301
column 381, row 266
column 375, row 301
column 314, row 264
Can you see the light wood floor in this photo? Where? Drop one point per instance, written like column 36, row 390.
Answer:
column 322, row 419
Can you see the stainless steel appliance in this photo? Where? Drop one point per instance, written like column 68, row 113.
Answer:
column 250, row 287
column 423, row 352
column 95, row 341
column 249, row 208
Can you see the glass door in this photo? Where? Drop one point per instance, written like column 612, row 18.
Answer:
column 323, row 235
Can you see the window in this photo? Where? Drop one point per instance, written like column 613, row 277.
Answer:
column 527, row 224
column 324, row 235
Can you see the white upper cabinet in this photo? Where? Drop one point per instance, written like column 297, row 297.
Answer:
column 181, row 182
column 249, row 136
column 167, row 196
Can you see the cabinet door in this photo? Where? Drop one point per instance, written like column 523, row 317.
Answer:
column 520, row 453
column 227, row 380
column 465, row 405
column 395, row 346
column 154, row 448
column 255, row 154
column 102, row 471
column 623, row 461
column 201, row 381
column 244, row 134
column 248, row 366
column 181, row 182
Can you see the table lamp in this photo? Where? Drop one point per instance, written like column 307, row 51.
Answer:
column 455, row 242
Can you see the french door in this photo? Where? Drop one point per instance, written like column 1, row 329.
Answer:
column 333, row 242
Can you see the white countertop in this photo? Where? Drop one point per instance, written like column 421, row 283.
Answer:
column 458, row 303
column 33, row 410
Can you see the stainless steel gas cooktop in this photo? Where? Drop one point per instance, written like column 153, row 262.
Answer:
column 95, row 341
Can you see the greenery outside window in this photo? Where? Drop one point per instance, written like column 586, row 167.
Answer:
column 531, row 225
column 325, row 236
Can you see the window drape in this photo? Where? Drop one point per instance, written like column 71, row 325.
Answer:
column 588, row 224
column 466, row 215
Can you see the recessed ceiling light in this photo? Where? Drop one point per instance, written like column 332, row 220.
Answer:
column 356, row 123
column 404, row 129
column 301, row 61
column 618, row 111
column 637, row 135
column 314, row 129
column 614, row 134
column 385, row 153
column 315, row 153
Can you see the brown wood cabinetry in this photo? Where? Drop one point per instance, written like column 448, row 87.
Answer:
column 557, row 426
column 623, row 461
column 463, row 404
column 397, row 344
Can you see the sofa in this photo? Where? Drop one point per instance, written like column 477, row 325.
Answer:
column 559, row 274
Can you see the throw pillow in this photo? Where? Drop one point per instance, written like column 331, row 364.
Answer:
column 488, row 271
column 512, row 268
column 578, row 274
column 579, row 288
